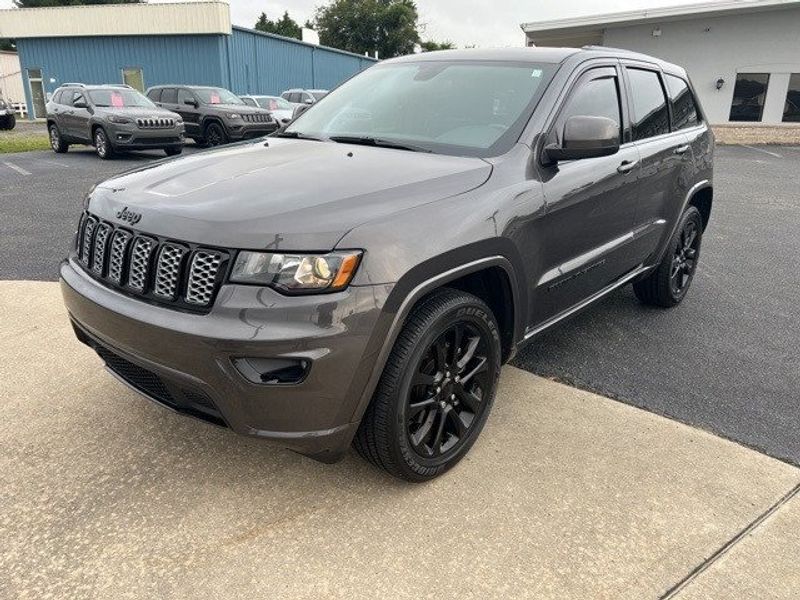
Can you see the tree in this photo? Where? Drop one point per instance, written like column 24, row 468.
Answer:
column 285, row 26
column 386, row 26
column 431, row 46
column 6, row 44
column 46, row 3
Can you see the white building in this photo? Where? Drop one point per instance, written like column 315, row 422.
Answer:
column 10, row 77
column 743, row 56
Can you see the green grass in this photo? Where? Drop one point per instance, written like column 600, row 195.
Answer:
column 17, row 143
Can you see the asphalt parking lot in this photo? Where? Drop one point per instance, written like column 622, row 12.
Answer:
column 726, row 360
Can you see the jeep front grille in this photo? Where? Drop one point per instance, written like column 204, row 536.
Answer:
column 155, row 123
column 257, row 118
column 176, row 274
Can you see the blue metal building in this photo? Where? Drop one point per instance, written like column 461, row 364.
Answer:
column 172, row 43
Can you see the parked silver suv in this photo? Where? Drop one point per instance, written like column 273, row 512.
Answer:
column 112, row 118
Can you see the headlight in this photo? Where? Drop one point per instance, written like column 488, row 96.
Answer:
column 179, row 121
column 119, row 120
column 296, row 273
column 234, row 116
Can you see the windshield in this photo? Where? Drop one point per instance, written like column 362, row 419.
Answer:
column 217, row 96
column 119, row 99
column 273, row 103
column 468, row 108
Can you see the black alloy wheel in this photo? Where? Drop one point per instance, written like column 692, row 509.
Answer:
column 448, row 392
column 436, row 390
column 684, row 260
column 215, row 135
column 668, row 283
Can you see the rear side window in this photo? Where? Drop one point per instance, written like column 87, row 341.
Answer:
column 684, row 108
column 154, row 95
column 169, row 96
column 650, row 114
column 594, row 98
column 56, row 98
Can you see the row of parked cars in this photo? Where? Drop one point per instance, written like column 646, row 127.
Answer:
column 117, row 118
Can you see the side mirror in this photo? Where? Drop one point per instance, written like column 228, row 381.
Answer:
column 585, row 137
column 299, row 110
column 190, row 102
column 308, row 101
column 80, row 104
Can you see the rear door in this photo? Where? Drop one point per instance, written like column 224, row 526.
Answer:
column 590, row 203
column 666, row 159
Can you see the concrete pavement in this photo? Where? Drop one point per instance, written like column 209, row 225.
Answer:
column 565, row 495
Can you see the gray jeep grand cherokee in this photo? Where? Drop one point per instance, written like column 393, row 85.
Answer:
column 362, row 275
column 112, row 118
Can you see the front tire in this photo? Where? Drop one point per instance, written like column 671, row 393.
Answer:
column 668, row 284
column 215, row 135
column 56, row 141
column 102, row 144
column 436, row 390
column 173, row 151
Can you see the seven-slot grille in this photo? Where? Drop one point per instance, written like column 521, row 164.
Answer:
column 172, row 273
column 257, row 118
column 155, row 123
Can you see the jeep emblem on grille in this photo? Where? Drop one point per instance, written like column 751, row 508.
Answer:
column 128, row 215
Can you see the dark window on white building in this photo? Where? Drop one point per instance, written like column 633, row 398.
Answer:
column 748, row 96
column 791, row 110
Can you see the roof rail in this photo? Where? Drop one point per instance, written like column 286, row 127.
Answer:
column 73, row 85
column 601, row 47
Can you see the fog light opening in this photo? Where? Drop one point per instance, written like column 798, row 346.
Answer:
column 273, row 371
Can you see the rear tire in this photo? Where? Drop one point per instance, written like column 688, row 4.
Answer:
column 56, row 141
column 102, row 144
column 668, row 284
column 8, row 122
column 436, row 390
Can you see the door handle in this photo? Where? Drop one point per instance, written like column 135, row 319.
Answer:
column 627, row 166
column 681, row 149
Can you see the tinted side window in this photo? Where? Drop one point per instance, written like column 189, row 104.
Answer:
column 249, row 102
column 169, row 96
column 56, row 97
column 650, row 114
column 154, row 94
column 684, row 109
column 184, row 95
column 295, row 97
column 595, row 98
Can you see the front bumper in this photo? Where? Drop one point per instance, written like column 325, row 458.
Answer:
column 135, row 138
column 246, row 131
column 185, row 361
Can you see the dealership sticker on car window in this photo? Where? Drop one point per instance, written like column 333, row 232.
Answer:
column 536, row 73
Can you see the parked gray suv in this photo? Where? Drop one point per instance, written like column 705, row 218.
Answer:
column 362, row 275
column 112, row 118
column 213, row 115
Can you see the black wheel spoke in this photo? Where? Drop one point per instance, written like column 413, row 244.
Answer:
column 441, row 354
column 459, row 425
column 458, row 333
column 436, row 444
column 468, row 398
column 472, row 345
column 480, row 367
column 424, row 431
column 417, row 407
column 423, row 379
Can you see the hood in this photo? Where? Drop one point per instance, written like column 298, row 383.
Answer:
column 138, row 113
column 245, row 109
column 282, row 194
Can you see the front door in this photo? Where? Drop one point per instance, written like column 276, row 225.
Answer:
column 76, row 118
column 188, row 108
column 590, row 205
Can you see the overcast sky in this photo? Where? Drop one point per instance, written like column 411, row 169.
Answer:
column 465, row 22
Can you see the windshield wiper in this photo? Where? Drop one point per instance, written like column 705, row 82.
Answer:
column 380, row 142
column 297, row 135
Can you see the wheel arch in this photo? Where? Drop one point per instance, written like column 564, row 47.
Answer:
column 703, row 200
column 496, row 277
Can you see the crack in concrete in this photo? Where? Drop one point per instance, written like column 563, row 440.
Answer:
column 727, row 546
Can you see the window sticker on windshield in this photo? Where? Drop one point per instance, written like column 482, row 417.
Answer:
column 116, row 100
column 537, row 73
column 214, row 98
